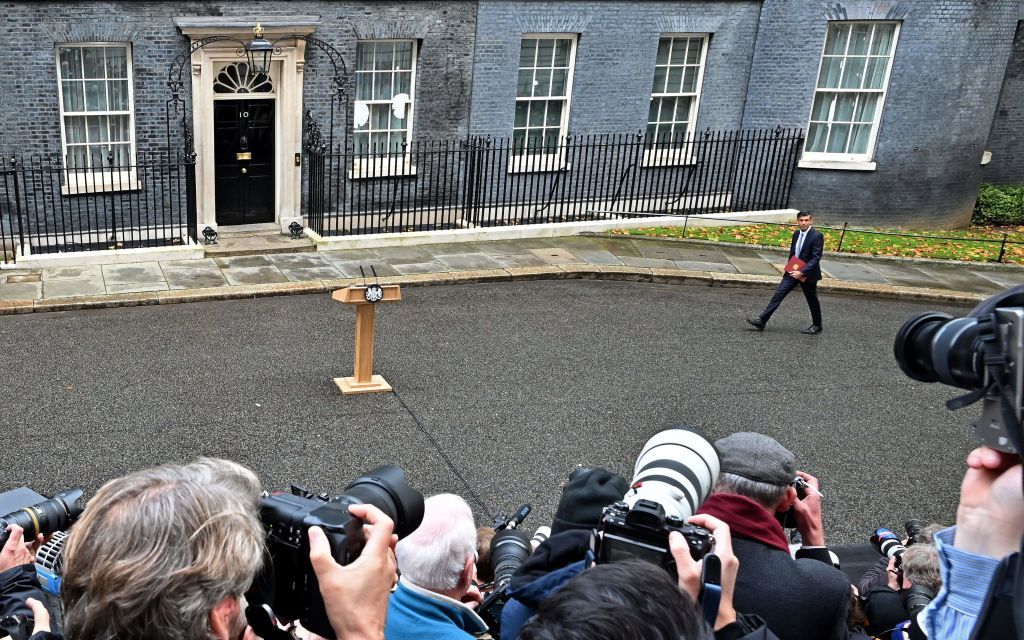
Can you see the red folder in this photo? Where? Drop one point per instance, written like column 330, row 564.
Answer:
column 796, row 264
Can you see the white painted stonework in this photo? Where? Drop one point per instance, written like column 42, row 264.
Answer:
column 549, row 230
column 286, row 75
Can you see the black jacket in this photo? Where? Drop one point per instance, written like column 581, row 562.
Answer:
column 559, row 552
column 814, row 245
column 799, row 599
column 17, row 585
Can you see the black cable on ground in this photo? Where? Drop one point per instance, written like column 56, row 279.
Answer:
column 444, row 456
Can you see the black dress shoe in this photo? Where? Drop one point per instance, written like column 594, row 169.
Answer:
column 757, row 323
column 811, row 330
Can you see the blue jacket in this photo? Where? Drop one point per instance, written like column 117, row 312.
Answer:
column 414, row 612
column 523, row 602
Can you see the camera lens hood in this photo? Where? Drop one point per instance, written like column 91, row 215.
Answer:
column 913, row 345
column 953, row 345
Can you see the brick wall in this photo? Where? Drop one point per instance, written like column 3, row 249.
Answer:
column 614, row 71
column 946, row 76
column 29, row 105
column 1007, row 139
column 30, row 120
column 762, row 62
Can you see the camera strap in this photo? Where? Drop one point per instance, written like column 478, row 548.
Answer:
column 710, row 596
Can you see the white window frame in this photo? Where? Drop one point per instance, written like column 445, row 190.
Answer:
column 682, row 154
column 538, row 162
column 368, row 165
column 98, row 180
column 853, row 161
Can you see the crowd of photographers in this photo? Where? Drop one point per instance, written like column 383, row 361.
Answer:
column 180, row 551
column 694, row 546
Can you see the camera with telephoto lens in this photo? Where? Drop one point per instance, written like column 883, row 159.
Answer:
column 914, row 529
column 510, row 548
column 288, row 584
column 916, row 598
column 642, row 531
column 982, row 352
column 673, row 475
column 44, row 516
column 888, row 544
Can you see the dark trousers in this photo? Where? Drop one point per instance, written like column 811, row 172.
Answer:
column 789, row 283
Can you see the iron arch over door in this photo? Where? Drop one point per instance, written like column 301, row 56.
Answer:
column 203, row 56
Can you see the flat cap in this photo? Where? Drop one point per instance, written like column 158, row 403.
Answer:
column 757, row 457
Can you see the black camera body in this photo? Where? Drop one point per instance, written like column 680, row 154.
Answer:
column 642, row 532
column 287, row 518
column 788, row 518
column 288, row 583
column 16, row 627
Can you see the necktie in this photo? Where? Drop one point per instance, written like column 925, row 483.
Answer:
column 799, row 244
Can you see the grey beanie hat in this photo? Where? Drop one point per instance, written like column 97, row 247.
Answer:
column 757, row 457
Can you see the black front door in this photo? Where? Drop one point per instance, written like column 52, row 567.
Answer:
column 244, row 158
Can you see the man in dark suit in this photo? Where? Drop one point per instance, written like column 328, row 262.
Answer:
column 808, row 244
column 800, row 594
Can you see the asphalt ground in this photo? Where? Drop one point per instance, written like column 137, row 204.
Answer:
column 508, row 387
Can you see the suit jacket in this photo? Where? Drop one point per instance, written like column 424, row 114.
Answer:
column 810, row 253
column 799, row 598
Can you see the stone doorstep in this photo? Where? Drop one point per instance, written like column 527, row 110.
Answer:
column 226, row 250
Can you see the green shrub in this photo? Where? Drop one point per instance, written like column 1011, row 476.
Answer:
column 1003, row 206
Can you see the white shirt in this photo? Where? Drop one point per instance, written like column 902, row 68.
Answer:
column 800, row 242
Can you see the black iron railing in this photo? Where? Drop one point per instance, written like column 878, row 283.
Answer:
column 484, row 182
column 48, row 207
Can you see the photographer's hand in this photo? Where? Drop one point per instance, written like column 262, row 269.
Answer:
column 689, row 570
column 807, row 513
column 356, row 595
column 16, row 552
column 40, row 616
column 893, row 576
column 990, row 519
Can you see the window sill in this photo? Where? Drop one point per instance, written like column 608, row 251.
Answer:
column 838, row 165
column 539, row 164
column 655, row 161
column 383, row 170
column 104, row 187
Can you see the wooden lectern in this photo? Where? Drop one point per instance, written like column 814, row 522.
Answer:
column 363, row 380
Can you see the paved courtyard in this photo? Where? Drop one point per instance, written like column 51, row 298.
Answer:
column 511, row 385
column 214, row 272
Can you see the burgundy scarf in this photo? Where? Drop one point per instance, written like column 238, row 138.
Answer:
column 746, row 519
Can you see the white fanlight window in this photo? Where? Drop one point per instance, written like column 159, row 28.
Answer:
column 852, row 80
column 97, row 114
